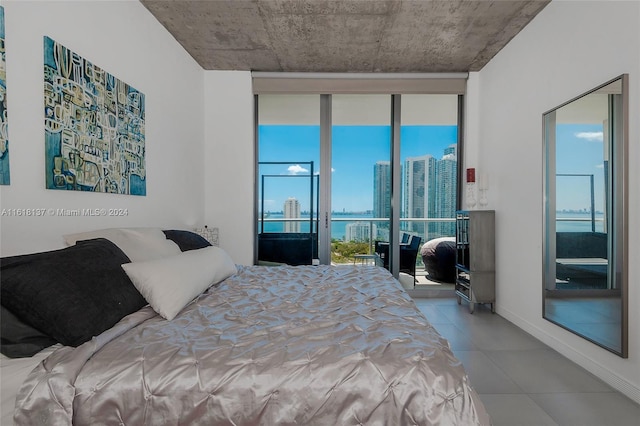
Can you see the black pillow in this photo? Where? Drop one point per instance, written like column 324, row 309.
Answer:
column 186, row 240
column 19, row 340
column 70, row 294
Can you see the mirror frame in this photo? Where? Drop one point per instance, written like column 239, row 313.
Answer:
column 619, row 201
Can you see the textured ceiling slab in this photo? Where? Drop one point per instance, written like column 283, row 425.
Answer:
column 344, row 36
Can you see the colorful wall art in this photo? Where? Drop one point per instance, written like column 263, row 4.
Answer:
column 94, row 127
column 4, row 138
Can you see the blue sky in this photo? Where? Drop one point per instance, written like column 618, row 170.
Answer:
column 579, row 150
column 355, row 150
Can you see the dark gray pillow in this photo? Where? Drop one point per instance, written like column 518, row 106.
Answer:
column 19, row 340
column 186, row 240
column 70, row 294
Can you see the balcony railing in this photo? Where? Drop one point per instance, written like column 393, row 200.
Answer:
column 592, row 210
column 406, row 225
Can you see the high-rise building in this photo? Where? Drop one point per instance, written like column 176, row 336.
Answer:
column 419, row 186
column 447, row 179
column 292, row 211
column 382, row 189
column 360, row 231
column 429, row 190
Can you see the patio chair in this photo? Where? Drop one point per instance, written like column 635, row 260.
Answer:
column 408, row 256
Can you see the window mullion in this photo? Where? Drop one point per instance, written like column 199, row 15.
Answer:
column 394, row 235
column 324, row 225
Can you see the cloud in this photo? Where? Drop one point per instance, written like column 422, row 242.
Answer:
column 590, row 136
column 294, row 170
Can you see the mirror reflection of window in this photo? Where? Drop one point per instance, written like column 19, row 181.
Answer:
column 585, row 207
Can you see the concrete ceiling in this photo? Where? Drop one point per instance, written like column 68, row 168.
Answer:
column 344, row 35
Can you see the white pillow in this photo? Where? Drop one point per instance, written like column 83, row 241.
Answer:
column 169, row 284
column 139, row 244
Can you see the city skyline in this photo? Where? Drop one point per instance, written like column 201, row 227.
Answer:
column 356, row 149
column 428, row 191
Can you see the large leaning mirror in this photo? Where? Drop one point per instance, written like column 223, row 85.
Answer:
column 585, row 215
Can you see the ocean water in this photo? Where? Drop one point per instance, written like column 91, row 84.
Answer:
column 339, row 222
column 582, row 222
column 338, row 228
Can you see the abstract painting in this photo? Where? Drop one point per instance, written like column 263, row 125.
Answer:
column 4, row 138
column 94, row 127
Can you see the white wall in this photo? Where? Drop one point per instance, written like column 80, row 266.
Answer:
column 230, row 161
column 125, row 40
column 569, row 48
column 471, row 145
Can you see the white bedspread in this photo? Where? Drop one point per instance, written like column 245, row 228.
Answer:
column 12, row 374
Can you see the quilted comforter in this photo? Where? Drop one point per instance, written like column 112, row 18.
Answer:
column 315, row 345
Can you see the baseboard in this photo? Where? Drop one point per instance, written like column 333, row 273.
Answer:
column 615, row 381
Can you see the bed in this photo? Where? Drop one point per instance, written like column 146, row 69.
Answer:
column 323, row 345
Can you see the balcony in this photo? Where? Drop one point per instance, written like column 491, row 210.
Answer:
column 364, row 232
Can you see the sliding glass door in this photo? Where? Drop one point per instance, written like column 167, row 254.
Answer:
column 344, row 175
column 429, row 160
column 288, row 165
column 360, row 175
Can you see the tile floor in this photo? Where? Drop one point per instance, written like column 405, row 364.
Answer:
column 522, row 381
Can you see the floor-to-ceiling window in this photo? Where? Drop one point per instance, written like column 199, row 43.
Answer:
column 374, row 168
column 429, row 161
column 361, row 174
column 288, row 165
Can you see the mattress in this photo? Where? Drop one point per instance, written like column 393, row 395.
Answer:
column 270, row 345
